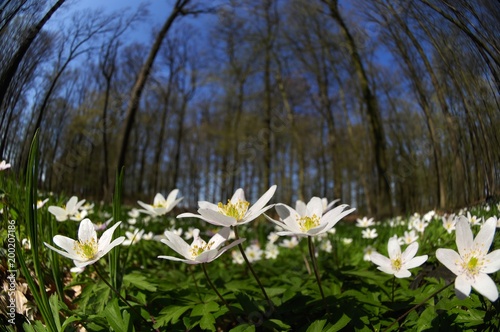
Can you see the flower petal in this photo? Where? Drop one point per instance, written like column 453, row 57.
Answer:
column 462, row 287
column 409, row 252
column 380, row 260
column 239, row 195
column 257, row 207
column 106, row 236
column 393, row 248
column 403, row 273
column 172, row 258
column 106, row 249
column 416, row 261
column 172, row 195
column 315, row 207
column 484, row 238
column 208, row 205
column 464, row 235
column 176, row 243
column 493, row 262
column 289, row 218
column 86, row 231
column 485, row 286
column 450, row 259
column 216, row 218
column 301, row 208
column 71, row 255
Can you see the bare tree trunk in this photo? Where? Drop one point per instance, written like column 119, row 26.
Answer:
column 140, row 82
column 10, row 69
column 384, row 206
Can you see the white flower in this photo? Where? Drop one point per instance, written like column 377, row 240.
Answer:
column 429, row 215
column 133, row 238
column 290, row 243
column 26, row 243
column 365, row 222
column 308, row 220
column 367, row 252
column 472, row 263
column 272, row 237
column 327, row 206
column 4, row 165
column 398, row 263
column 70, row 210
column 253, row 253
column 161, row 205
column 369, row 233
column 420, row 225
column 346, row 240
column 199, row 251
column 189, row 233
column 102, row 226
column 235, row 212
column 134, row 213
column 40, row 203
column 408, row 237
column 449, row 223
column 79, row 215
column 272, row 251
column 473, row 219
column 87, row 249
column 326, row 246
column 237, row 257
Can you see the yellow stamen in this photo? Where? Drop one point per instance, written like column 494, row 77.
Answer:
column 236, row 210
column 306, row 223
column 87, row 249
column 397, row 264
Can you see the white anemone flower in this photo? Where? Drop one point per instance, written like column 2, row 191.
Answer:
column 71, row 209
column 133, row 237
column 369, row 233
column 365, row 222
column 308, row 221
column 4, row 165
column 235, row 212
column 87, row 249
column 398, row 263
column 161, row 205
column 449, row 223
column 40, row 203
column 199, row 251
column 472, row 263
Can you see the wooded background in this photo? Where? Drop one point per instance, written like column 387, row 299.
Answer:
column 391, row 106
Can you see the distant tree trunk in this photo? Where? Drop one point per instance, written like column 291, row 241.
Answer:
column 10, row 68
column 140, row 82
column 384, row 206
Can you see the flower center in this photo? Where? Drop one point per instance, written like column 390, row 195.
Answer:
column 472, row 264
column 396, row 264
column 236, row 210
column 87, row 249
column 306, row 223
column 199, row 248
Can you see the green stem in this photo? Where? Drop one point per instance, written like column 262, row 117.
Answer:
column 316, row 273
column 194, row 280
column 393, row 288
column 419, row 305
column 124, row 300
column 251, row 269
column 212, row 285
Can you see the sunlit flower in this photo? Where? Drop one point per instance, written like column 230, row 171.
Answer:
column 472, row 263
column 429, row 215
column 346, row 240
column 148, row 236
column 102, row 226
column 71, row 209
column 449, row 223
column 199, row 251
column 473, row 220
column 308, row 221
column 408, row 237
column 272, row 251
column 161, row 205
column 188, row 235
column 365, row 222
column 40, row 203
column 369, row 233
column 420, row 225
column 4, row 165
column 237, row 211
column 326, row 246
column 253, row 253
column 289, row 243
column 79, row 215
column 367, row 252
column 237, row 257
column 26, row 243
column 87, row 249
column 398, row 263
column 272, row 237
column 133, row 237
column 327, row 206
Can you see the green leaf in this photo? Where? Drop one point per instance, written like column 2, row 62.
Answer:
column 317, row 326
column 170, row 314
column 115, row 319
column 244, row 328
column 204, row 308
column 140, row 281
column 207, row 322
column 54, row 306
